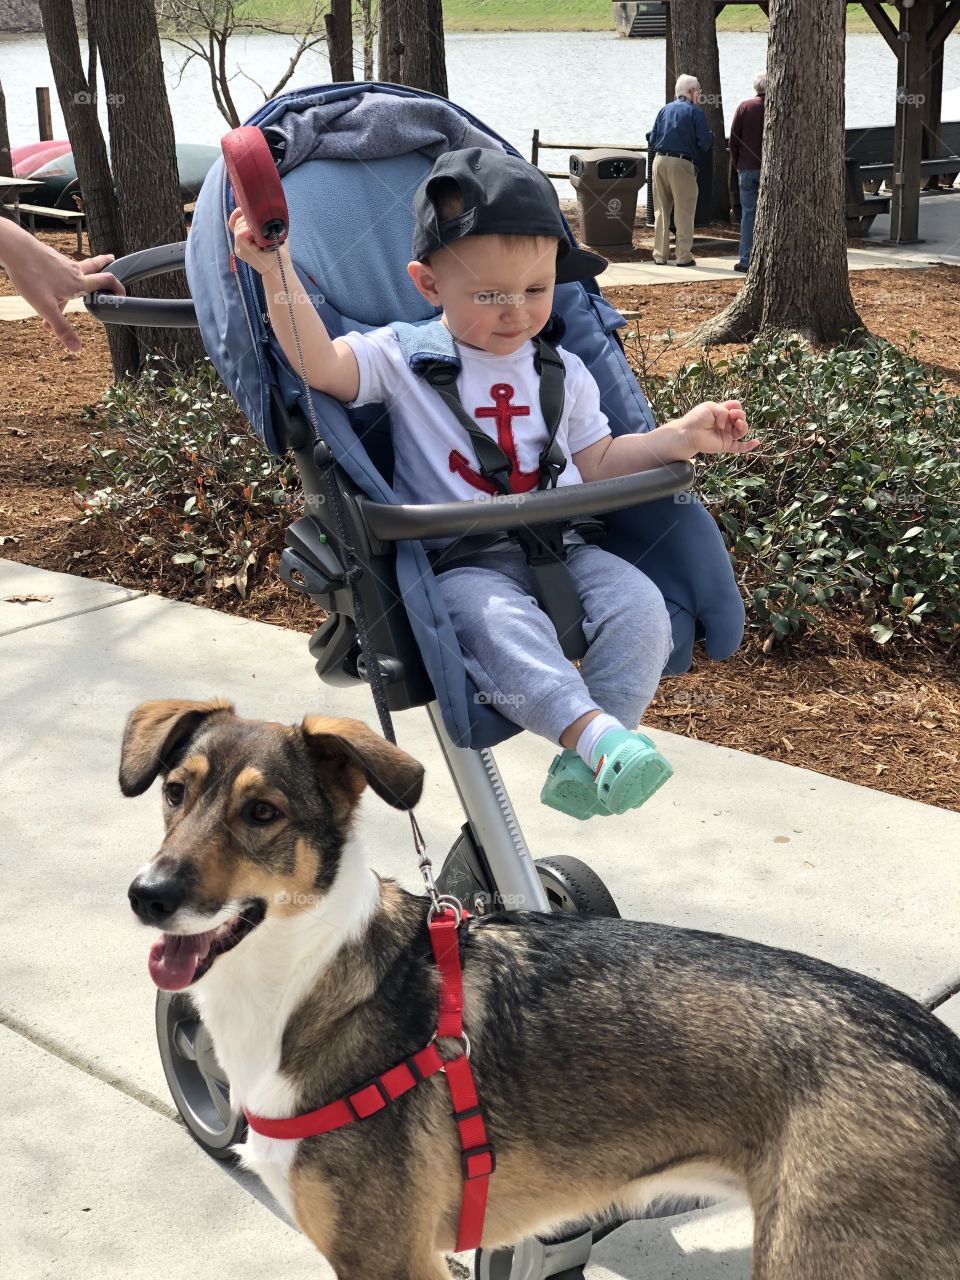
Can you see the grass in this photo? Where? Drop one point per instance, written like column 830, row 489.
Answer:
column 550, row 15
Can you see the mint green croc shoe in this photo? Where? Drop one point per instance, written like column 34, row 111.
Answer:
column 630, row 770
column 570, row 788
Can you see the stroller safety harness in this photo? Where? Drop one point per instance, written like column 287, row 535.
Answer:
column 543, row 544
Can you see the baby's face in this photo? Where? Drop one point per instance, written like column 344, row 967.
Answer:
column 495, row 294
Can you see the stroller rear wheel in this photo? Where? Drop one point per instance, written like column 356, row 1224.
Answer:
column 570, row 885
column 196, row 1080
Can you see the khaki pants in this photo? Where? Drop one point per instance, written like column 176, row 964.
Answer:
column 674, row 192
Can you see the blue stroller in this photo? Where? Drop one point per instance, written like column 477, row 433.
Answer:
column 350, row 157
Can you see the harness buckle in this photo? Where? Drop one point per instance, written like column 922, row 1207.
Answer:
column 478, row 1162
column 369, row 1106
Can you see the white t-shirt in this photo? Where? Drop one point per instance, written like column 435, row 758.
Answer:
column 434, row 456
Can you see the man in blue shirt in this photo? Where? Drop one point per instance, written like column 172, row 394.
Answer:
column 680, row 133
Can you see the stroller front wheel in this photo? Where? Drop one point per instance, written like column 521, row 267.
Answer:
column 196, row 1080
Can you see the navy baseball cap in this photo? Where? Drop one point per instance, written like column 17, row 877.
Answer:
column 502, row 195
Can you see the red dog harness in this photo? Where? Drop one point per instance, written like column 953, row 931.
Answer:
column 477, row 1157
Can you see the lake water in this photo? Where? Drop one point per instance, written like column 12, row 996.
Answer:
column 581, row 87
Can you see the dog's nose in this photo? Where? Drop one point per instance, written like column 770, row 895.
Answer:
column 156, row 898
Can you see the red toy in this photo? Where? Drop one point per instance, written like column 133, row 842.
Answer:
column 256, row 185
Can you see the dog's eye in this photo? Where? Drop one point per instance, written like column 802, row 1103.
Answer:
column 263, row 812
column 174, row 792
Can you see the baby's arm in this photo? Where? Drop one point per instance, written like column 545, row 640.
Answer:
column 330, row 365
column 708, row 428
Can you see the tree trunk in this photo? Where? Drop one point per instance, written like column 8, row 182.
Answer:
column 143, row 152
column 79, row 109
column 389, row 48
column 798, row 278
column 695, row 53
column 339, row 24
column 6, row 160
column 368, row 29
column 411, row 44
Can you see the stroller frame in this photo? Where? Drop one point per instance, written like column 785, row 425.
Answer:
column 490, row 863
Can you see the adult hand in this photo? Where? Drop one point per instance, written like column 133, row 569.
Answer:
column 48, row 279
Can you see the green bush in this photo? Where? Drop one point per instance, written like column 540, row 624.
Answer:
column 187, row 481
column 853, row 498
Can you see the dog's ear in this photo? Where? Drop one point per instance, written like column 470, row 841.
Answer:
column 154, row 731
column 395, row 776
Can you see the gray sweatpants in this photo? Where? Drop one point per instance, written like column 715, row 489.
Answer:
column 514, row 657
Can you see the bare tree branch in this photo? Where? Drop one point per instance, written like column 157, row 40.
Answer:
column 205, row 28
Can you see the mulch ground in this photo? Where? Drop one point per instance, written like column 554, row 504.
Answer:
column 832, row 702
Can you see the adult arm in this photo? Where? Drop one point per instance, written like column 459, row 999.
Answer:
column 655, row 132
column 704, row 134
column 48, row 279
column 736, row 136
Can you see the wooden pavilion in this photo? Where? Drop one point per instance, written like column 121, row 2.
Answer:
column 917, row 41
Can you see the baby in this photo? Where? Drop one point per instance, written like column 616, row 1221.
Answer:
column 489, row 247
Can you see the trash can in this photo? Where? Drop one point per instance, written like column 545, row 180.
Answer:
column 704, row 213
column 606, row 182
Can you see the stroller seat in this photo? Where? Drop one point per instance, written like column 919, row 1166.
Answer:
column 350, row 158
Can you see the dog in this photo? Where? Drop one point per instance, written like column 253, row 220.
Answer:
column 616, row 1061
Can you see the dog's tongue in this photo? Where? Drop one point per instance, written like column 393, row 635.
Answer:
column 174, row 959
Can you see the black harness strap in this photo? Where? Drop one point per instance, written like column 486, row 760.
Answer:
column 542, row 544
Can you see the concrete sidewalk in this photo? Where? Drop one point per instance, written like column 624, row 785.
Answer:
column 101, row 1181
column 939, row 227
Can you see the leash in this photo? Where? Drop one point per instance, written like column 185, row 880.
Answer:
column 257, row 185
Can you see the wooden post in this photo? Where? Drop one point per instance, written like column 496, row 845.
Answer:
column 44, row 121
column 670, row 71
column 913, row 78
column 933, row 107
column 6, row 160
column 535, row 147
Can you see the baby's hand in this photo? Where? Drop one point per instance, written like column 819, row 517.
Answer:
column 716, row 428
column 263, row 261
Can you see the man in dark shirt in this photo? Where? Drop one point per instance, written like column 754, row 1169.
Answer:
column 746, row 144
column 680, row 133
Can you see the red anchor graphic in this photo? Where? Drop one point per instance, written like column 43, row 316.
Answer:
column 504, row 413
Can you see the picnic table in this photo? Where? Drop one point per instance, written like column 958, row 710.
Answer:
column 11, row 190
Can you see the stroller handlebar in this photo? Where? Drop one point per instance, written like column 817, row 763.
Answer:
column 163, row 313
column 396, row 523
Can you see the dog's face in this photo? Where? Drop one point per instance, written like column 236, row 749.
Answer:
column 256, row 815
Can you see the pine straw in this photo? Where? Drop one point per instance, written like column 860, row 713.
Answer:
column 833, row 703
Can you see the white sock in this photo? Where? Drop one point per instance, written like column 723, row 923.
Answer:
column 587, row 742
